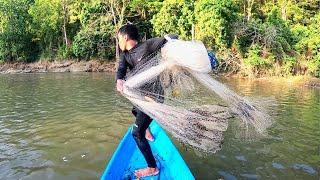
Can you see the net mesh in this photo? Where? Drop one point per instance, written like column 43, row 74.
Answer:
column 173, row 87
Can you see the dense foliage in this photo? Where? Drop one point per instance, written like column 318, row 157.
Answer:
column 265, row 37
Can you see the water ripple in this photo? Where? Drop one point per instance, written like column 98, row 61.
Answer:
column 67, row 125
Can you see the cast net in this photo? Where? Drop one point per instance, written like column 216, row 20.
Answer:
column 173, row 87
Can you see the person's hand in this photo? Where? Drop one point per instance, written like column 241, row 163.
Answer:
column 120, row 83
column 149, row 99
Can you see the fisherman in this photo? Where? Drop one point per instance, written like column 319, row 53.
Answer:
column 135, row 53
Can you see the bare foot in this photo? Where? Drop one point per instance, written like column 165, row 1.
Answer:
column 149, row 136
column 146, row 172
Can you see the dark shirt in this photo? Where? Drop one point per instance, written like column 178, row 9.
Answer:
column 132, row 58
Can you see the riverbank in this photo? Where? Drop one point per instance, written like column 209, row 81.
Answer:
column 300, row 80
column 306, row 81
column 58, row 66
column 110, row 66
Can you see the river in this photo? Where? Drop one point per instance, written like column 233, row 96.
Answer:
column 67, row 125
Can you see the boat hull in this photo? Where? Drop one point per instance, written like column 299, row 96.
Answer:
column 127, row 158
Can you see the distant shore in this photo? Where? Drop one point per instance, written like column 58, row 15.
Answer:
column 58, row 66
column 299, row 80
column 110, row 66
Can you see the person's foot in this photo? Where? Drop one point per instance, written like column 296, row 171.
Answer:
column 146, row 172
column 149, row 136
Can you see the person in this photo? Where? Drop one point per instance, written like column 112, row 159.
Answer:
column 133, row 54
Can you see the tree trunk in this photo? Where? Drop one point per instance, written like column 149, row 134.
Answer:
column 118, row 13
column 114, row 17
column 249, row 9
column 283, row 10
column 65, row 21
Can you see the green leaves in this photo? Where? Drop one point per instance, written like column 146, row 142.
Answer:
column 46, row 24
column 15, row 36
column 174, row 17
column 94, row 41
column 95, row 37
column 256, row 33
column 308, row 44
column 213, row 21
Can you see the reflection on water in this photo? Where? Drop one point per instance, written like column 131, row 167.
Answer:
column 66, row 126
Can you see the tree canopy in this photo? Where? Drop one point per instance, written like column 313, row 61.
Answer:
column 278, row 37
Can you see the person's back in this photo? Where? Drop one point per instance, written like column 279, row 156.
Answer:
column 138, row 55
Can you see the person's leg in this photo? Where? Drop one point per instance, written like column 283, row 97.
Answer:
column 148, row 135
column 138, row 132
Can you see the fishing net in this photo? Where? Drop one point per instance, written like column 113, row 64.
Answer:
column 173, row 87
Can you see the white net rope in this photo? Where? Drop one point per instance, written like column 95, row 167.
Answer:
column 173, row 87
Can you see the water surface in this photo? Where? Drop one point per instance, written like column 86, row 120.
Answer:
column 67, row 125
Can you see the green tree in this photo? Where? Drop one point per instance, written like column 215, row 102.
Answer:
column 47, row 25
column 15, row 36
column 308, row 45
column 174, row 17
column 284, row 38
column 95, row 37
column 214, row 21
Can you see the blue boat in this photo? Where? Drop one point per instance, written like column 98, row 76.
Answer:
column 127, row 158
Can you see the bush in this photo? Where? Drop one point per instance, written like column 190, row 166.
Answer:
column 253, row 57
column 65, row 52
column 282, row 42
column 288, row 66
column 308, row 45
column 83, row 45
column 95, row 41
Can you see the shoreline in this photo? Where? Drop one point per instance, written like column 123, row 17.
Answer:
column 110, row 67
column 58, row 66
column 301, row 80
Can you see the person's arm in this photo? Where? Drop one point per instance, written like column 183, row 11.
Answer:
column 121, row 73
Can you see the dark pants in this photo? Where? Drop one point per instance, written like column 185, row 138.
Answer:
column 139, row 131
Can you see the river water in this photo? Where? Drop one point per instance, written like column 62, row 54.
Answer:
column 67, row 125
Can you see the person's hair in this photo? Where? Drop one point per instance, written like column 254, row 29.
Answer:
column 130, row 30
